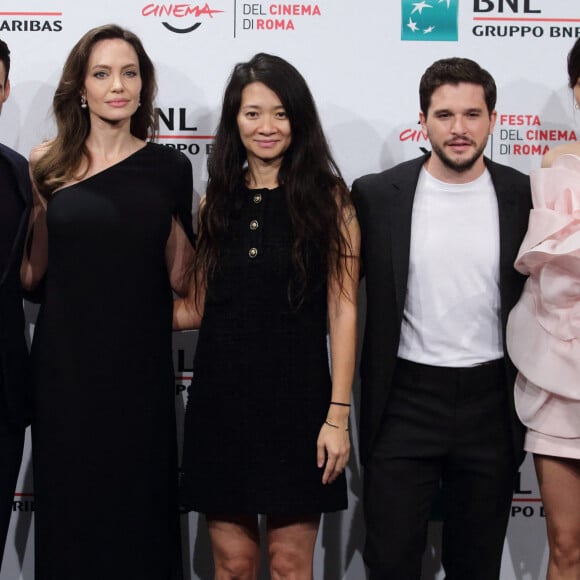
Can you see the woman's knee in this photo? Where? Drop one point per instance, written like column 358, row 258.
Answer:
column 290, row 563
column 235, row 545
column 235, row 567
column 565, row 549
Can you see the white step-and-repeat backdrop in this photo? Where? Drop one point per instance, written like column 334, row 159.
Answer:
column 363, row 60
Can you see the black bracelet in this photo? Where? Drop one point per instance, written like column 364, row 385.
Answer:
column 335, row 426
column 340, row 404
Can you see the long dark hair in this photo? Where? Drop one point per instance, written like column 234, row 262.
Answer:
column 63, row 159
column 574, row 64
column 317, row 195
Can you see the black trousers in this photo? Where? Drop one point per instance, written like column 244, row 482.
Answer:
column 11, row 446
column 443, row 428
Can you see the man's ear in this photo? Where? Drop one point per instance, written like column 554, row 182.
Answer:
column 6, row 93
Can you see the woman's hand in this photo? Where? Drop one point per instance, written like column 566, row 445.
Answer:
column 333, row 447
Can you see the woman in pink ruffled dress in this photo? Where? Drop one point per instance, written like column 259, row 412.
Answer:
column 543, row 338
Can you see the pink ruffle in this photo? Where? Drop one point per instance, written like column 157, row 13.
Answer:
column 544, row 327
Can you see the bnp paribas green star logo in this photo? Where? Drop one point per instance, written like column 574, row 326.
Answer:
column 429, row 19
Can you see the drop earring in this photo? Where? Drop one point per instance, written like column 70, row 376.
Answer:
column 83, row 102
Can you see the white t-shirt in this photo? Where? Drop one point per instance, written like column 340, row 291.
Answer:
column 452, row 309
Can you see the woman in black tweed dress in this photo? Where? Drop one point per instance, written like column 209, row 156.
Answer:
column 266, row 427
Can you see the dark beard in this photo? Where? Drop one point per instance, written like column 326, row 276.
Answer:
column 459, row 166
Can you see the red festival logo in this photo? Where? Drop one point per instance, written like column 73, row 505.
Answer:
column 179, row 11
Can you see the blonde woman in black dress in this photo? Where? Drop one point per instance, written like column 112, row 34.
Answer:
column 111, row 231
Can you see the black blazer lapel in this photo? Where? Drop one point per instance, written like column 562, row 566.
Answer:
column 506, row 202
column 401, row 212
column 513, row 209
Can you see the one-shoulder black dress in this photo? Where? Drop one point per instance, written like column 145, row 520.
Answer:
column 104, row 440
column 261, row 385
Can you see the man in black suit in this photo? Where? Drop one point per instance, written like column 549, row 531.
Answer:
column 15, row 200
column 439, row 237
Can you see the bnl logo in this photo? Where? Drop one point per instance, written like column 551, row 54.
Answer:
column 429, row 19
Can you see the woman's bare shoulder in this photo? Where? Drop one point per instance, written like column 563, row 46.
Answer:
column 572, row 148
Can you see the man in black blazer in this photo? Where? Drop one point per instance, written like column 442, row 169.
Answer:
column 15, row 201
column 439, row 237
